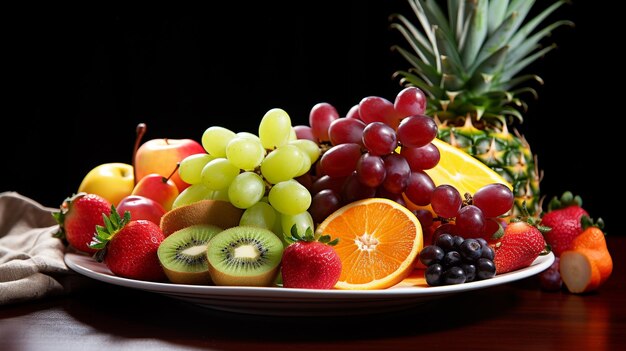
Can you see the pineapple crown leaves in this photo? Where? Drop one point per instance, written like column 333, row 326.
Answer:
column 468, row 60
column 308, row 236
column 112, row 225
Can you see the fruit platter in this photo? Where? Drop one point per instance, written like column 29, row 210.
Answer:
column 397, row 201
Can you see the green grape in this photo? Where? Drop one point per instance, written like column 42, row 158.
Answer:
column 246, row 190
column 309, row 147
column 191, row 194
column 215, row 139
column 306, row 164
column 190, row 170
column 261, row 215
column 302, row 221
column 289, row 197
column 275, row 128
column 219, row 173
column 292, row 135
column 221, row 194
column 245, row 152
column 282, row 164
column 247, row 135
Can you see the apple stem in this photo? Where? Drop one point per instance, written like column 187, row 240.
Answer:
column 171, row 174
column 141, row 130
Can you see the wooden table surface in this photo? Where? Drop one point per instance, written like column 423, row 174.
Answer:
column 514, row 316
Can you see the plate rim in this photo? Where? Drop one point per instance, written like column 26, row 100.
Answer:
column 82, row 264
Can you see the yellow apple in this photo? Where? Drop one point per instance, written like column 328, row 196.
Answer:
column 113, row 181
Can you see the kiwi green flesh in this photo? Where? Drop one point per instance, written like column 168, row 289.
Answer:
column 244, row 255
column 183, row 253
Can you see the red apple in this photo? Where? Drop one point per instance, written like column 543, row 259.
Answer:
column 141, row 207
column 161, row 156
column 158, row 188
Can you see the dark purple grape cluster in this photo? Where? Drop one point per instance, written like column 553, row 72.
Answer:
column 451, row 259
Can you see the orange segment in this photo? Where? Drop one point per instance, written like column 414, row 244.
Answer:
column 379, row 240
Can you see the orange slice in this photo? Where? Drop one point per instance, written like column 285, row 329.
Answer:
column 379, row 241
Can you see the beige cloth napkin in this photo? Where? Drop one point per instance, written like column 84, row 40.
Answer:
column 31, row 259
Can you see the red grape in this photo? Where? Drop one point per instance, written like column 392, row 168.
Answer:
column 419, row 188
column 397, row 173
column 446, row 201
column 425, row 217
column 420, row 158
column 354, row 112
column 371, row 170
column 379, row 138
column 470, row 221
column 375, row 109
column 494, row 199
column 340, row 160
column 304, row 132
column 327, row 182
column 320, row 118
column 323, row 204
column 410, row 101
column 417, row 131
column 354, row 190
column 346, row 130
column 382, row 192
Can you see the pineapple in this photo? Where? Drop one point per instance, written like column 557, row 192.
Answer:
column 470, row 63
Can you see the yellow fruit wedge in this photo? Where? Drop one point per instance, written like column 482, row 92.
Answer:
column 461, row 170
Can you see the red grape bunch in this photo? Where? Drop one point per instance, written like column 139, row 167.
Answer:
column 379, row 149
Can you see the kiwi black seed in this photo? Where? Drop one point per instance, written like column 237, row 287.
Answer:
column 183, row 254
column 244, row 256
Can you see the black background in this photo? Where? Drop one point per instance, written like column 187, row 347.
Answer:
column 79, row 81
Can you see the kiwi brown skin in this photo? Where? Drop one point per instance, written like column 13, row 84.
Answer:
column 178, row 275
column 267, row 277
column 216, row 212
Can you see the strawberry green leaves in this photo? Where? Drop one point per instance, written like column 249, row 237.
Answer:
column 112, row 225
column 308, row 236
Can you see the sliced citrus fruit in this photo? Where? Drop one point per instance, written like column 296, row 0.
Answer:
column 461, row 170
column 379, row 240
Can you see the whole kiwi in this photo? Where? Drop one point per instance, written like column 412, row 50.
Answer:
column 244, row 256
column 183, row 254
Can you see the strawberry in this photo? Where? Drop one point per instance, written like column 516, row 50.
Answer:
column 78, row 217
column 129, row 248
column 310, row 262
column 520, row 245
column 565, row 217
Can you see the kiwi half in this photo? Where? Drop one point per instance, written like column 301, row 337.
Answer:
column 244, row 256
column 183, row 254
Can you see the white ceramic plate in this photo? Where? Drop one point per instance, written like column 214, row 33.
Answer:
column 301, row 302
